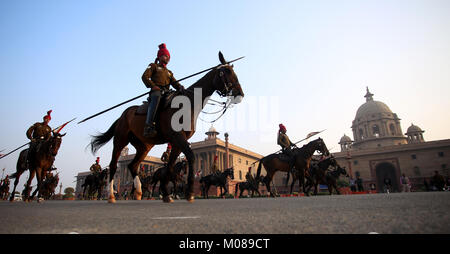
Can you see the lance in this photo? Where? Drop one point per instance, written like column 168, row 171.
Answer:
column 132, row 99
column 58, row 129
column 294, row 143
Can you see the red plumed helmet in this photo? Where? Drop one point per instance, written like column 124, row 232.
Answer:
column 98, row 159
column 282, row 128
column 163, row 50
column 169, row 146
column 48, row 116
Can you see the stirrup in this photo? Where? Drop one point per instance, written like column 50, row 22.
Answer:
column 149, row 131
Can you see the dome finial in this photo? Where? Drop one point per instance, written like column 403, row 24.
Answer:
column 368, row 94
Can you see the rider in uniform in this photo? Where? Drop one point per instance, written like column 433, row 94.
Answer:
column 96, row 168
column 215, row 166
column 38, row 133
column 158, row 78
column 249, row 177
column 285, row 143
column 165, row 156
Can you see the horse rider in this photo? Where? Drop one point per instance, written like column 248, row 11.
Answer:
column 285, row 143
column 165, row 156
column 158, row 78
column 249, row 177
column 215, row 166
column 38, row 133
column 96, row 168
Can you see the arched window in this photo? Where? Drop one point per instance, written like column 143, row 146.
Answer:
column 392, row 129
column 361, row 133
column 376, row 130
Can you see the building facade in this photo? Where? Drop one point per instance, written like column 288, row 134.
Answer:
column 380, row 150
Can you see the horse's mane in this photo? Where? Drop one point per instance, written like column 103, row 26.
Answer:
column 200, row 82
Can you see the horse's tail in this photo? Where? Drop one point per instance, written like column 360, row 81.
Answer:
column 99, row 140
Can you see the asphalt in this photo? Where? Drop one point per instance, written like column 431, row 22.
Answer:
column 395, row 213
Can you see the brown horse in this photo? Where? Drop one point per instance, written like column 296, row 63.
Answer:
column 129, row 128
column 39, row 163
column 94, row 183
column 303, row 155
column 219, row 180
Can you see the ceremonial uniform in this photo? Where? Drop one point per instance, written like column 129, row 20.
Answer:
column 285, row 143
column 96, row 168
column 158, row 78
column 39, row 133
column 165, row 156
column 215, row 167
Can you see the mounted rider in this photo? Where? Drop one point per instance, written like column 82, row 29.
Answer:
column 285, row 143
column 39, row 133
column 250, row 179
column 96, row 168
column 215, row 166
column 165, row 156
column 158, row 78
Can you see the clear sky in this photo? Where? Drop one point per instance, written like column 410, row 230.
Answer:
column 307, row 66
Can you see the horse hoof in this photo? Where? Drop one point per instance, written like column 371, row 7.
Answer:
column 111, row 200
column 138, row 196
column 167, row 199
column 190, row 199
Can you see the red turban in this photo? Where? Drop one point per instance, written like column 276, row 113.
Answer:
column 48, row 115
column 98, row 159
column 163, row 50
column 169, row 146
column 215, row 157
column 282, row 128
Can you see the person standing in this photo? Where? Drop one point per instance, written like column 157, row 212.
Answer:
column 352, row 184
column 406, row 185
column 359, row 183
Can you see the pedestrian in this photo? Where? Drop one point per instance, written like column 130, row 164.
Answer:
column 406, row 185
column 373, row 187
column 438, row 181
column 352, row 184
column 387, row 184
column 359, row 183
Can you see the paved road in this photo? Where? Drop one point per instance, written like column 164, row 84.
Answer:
column 422, row 212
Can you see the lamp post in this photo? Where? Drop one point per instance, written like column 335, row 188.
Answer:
column 348, row 158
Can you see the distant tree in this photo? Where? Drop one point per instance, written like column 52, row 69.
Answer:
column 68, row 192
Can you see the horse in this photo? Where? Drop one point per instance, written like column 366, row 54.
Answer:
column 316, row 172
column 331, row 178
column 175, row 178
column 272, row 163
column 129, row 128
column 249, row 187
column 145, row 182
column 48, row 186
column 219, row 180
column 38, row 164
column 94, row 183
column 4, row 189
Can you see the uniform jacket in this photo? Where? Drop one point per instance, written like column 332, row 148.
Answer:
column 158, row 75
column 38, row 130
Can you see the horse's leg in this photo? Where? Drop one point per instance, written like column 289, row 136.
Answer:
column 180, row 141
column 167, row 175
column 141, row 152
column 30, row 179
column 118, row 144
column 16, row 181
column 268, row 180
column 39, row 177
column 293, row 182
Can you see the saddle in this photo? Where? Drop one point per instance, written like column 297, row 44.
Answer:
column 283, row 157
column 166, row 99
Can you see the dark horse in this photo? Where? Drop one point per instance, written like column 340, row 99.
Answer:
column 39, row 163
column 249, row 187
column 129, row 128
column 95, row 183
column 272, row 163
column 331, row 177
column 315, row 173
column 179, row 169
column 49, row 185
column 219, row 180
column 4, row 189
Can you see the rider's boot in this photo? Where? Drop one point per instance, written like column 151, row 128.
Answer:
column 150, row 125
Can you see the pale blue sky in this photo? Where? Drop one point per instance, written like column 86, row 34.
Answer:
column 308, row 60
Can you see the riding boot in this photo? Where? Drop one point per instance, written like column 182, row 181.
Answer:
column 150, row 125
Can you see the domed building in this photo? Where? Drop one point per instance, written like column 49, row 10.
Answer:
column 380, row 150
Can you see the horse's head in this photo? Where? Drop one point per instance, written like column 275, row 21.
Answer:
column 321, row 147
column 55, row 143
column 342, row 171
column 229, row 172
column 226, row 82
